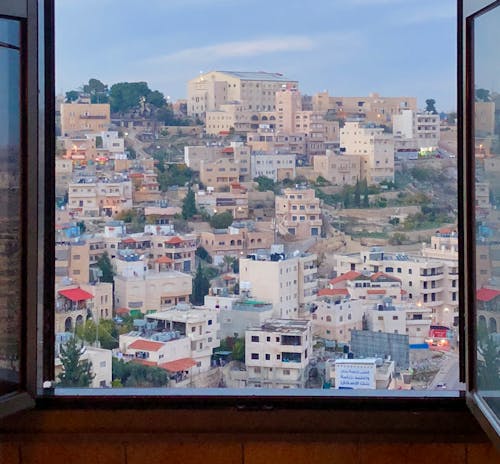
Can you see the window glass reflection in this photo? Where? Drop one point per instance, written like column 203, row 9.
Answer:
column 10, row 230
column 487, row 157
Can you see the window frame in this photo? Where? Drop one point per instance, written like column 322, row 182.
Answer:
column 469, row 11
column 36, row 172
column 428, row 412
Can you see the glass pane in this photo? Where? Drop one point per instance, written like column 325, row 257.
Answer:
column 487, row 156
column 10, row 195
column 314, row 275
column 9, row 32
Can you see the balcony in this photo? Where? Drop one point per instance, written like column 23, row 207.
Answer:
column 92, row 117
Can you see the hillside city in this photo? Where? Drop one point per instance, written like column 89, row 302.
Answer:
column 251, row 236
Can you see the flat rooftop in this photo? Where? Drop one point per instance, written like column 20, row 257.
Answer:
column 288, row 326
column 259, row 76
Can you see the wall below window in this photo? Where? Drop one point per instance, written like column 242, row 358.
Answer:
column 249, row 437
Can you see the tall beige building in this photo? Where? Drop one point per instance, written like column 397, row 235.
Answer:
column 372, row 108
column 374, row 146
column 298, row 213
column 255, row 90
column 88, row 117
column 338, row 169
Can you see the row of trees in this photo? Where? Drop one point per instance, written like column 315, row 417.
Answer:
column 125, row 97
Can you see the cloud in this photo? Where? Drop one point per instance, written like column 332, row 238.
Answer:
column 240, row 49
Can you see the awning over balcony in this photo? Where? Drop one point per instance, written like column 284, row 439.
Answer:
column 76, row 294
column 179, row 365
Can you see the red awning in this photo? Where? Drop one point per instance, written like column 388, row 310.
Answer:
column 178, row 365
column 332, row 291
column 375, row 291
column 228, row 150
column 76, row 294
column 486, row 294
column 122, row 311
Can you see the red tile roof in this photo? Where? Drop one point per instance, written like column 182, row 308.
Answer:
column 146, row 345
column 344, row 277
column 182, row 364
column 76, row 294
column 332, row 291
column 486, row 294
column 164, row 260
column 128, row 240
column 175, row 240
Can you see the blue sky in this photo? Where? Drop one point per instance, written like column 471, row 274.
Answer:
column 348, row 47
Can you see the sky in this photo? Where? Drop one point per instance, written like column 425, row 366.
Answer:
column 347, row 47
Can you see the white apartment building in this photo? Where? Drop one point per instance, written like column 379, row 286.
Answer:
column 373, row 146
column 201, row 326
column 277, row 353
column 288, row 282
column 181, row 341
column 275, row 166
column 407, row 319
column 255, row 90
column 335, row 318
column 428, row 281
column 422, row 128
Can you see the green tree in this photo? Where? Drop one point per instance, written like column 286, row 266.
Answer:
column 81, row 226
column 201, row 286
column 203, row 254
column 104, row 264
column 265, row 184
column 236, row 345
column 483, row 95
column 72, row 96
column 228, row 262
column 126, row 96
column 132, row 374
column 106, row 333
column 156, row 98
column 97, row 90
column 221, row 220
column 357, row 194
column 131, row 153
column 430, row 106
column 189, row 205
column 76, row 371
column 451, row 118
